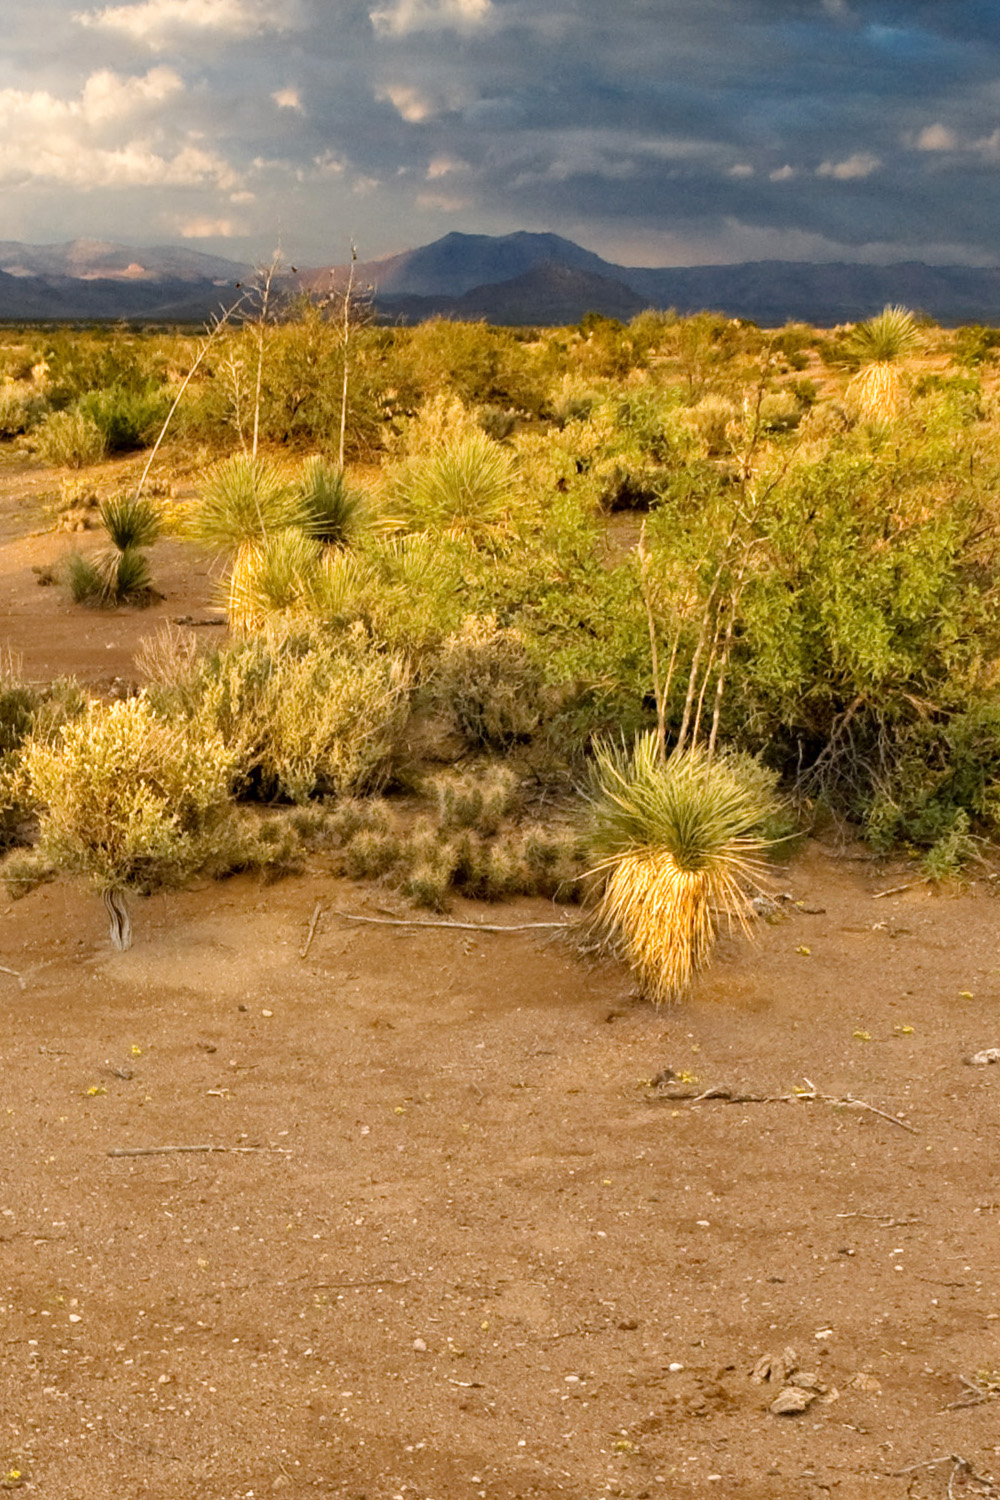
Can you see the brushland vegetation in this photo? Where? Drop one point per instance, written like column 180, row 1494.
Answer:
column 694, row 559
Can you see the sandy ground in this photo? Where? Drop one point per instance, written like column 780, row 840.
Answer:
column 453, row 1239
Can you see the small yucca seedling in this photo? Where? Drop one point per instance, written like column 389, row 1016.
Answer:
column 677, row 843
column 881, row 343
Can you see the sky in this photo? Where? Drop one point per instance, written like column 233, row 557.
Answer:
column 655, row 132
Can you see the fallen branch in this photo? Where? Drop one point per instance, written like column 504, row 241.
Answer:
column 312, row 930
column 897, row 890
column 351, row 916
column 19, row 977
column 323, row 1286
column 176, row 1150
column 985, row 1485
column 806, row 1096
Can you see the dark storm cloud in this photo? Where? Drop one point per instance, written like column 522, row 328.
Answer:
column 664, row 129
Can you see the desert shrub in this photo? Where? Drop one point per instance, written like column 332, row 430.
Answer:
column 71, row 438
column 301, row 714
column 126, row 417
column 486, row 678
column 275, row 575
column 130, row 799
column 21, row 408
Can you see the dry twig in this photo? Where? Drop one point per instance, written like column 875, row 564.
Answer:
column 312, row 930
column 351, row 916
column 806, row 1096
column 186, row 1150
column 19, row 977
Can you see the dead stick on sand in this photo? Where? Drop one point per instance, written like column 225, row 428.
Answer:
column 351, row 916
column 175, row 1150
column 809, row 1096
column 19, row 977
column 312, row 930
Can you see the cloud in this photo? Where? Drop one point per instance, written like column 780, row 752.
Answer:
column 861, row 164
column 209, row 229
column 782, row 174
column 937, row 138
column 154, row 21
column 408, row 16
column 287, row 98
column 103, row 138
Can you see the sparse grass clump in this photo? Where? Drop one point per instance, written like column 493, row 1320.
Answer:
column 677, row 843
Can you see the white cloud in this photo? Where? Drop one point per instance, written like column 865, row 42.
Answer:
column 407, row 16
column 741, row 169
column 412, row 104
column 782, row 174
column 937, row 138
column 153, row 21
column 208, row 229
column 442, row 166
column 861, row 164
column 287, row 99
column 103, row 138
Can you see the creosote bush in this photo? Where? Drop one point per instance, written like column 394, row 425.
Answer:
column 131, row 799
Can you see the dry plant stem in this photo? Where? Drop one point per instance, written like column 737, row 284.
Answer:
column 347, row 339
column 216, row 328
column 811, row 1096
column 658, row 689
column 303, row 951
column 190, row 1150
column 721, row 683
column 19, row 977
column 265, row 280
column 351, row 916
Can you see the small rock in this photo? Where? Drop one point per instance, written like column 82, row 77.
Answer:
column 807, row 1380
column 281, row 1483
column 761, row 1370
column 675, row 1368
column 867, row 1384
column 420, row 1346
column 628, row 1325
column 792, row 1400
column 983, row 1059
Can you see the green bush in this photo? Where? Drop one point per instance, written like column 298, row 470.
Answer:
column 127, row 418
column 130, row 799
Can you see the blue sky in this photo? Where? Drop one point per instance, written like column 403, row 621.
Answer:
column 656, row 132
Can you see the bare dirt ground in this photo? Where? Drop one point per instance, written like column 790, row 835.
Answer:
column 452, row 1240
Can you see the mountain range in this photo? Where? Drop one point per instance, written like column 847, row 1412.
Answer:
column 512, row 279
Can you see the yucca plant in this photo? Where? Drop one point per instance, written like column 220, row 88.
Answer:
column 277, row 575
column 130, row 521
column 880, row 344
column 243, row 500
column 677, row 843
column 332, row 509
column 463, row 487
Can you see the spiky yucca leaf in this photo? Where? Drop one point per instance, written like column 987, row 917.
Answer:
column 464, row 487
column 271, row 576
column 243, row 500
column 876, row 390
column 883, row 339
column 130, row 521
column 332, row 510
column 678, row 844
